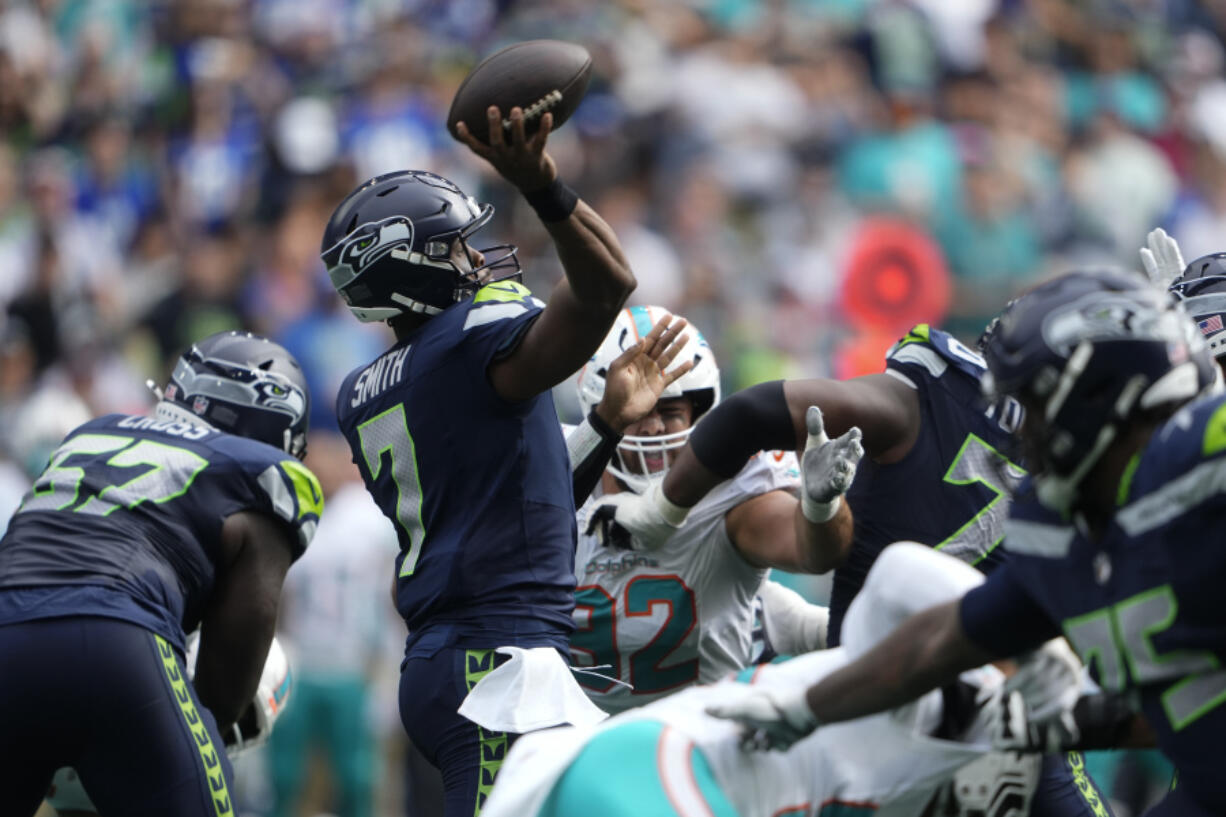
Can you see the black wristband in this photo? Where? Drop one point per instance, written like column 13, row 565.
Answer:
column 602, row 428
column 589, row 456
column 553, row 203
column 755, row 419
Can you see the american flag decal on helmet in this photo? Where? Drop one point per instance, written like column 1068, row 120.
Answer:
column 1210, row 325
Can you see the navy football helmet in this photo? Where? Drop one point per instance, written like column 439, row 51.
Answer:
column 1086, row 353
column 1202, row 291
column 389, row 246
column 246, row 385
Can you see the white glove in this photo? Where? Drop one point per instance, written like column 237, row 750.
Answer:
column 827, row 468
column 1161, row 258
column 636, row 521
column 791, row 625
column 1049, row 680
column 769, row 718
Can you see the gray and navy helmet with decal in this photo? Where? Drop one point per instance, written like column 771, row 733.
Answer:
column 1086, row 353
column 247, row 385
column 388, row 246
column 1202, row 291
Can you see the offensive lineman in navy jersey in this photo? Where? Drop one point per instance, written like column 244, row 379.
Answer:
column 457, row 439
column 140, row 529
column 938, row 470
column 1112, row 544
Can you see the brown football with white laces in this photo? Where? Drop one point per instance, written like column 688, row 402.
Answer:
column 540, row 76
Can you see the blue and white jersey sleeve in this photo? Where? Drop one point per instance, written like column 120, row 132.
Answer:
column 930, row 353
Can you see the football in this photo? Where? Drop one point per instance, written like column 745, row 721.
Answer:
column 540, row 76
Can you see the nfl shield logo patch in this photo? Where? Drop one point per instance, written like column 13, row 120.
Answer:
column 1210, row 325
column 200, row 404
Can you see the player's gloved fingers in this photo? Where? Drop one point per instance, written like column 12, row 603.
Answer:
column 598, row 516
column 618, row 537
column 1168, row 251
column 816, row 427
column 1150, row 264
column 851, row 442
column 603, row 526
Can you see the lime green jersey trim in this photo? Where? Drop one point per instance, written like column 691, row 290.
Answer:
column 306, row 488
column 1215, row 432
column 920, row 333
column 501, row 291
column 1125, row 486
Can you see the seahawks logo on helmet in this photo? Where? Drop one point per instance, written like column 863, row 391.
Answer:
column 364, row 246
column 389, row 246
column 1106, row 317
column 246, row 385
column 277, row 397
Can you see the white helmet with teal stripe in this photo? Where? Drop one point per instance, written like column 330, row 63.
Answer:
column 700, row 385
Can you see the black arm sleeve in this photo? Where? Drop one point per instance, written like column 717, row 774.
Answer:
column 591, row 446
column 752, row 420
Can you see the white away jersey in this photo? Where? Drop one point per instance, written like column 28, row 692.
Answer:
column 662, row 620
column 886, row 764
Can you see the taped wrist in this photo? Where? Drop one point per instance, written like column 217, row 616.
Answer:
column 819, row 512
column 553, row 203
column 590, row 446
column 752, row 420
column 671, row 512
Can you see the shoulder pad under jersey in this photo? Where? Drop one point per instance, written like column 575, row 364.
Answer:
column 935, row 352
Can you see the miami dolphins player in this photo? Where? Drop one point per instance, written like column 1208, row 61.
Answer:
column 1110, row 545
column 673, row 757
column 683, row 613
column 139, row 530
column 940, row 469
column 937, row 468
column 455, row 433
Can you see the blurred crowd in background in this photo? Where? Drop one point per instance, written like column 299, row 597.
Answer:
column 803, row 179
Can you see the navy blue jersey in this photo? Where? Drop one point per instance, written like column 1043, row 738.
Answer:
column 126, row 521
column 951, row 491
column 479, row 488
column 1142, row 605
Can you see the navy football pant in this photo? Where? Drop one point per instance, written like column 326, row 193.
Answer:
column 431, row 690
column 111, row 700
column 1066, row 789
column 1179, row 802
